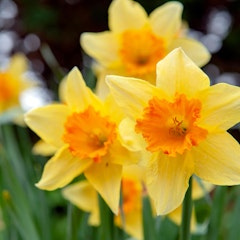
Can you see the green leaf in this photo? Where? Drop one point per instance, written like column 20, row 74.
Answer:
column 106, row 217
column 149, row 230
column 216, row 214
column 234, row 231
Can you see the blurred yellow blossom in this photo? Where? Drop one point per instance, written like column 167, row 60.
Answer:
column 135, row 41
column 13, row 82
column 129, row 217
column 182, row 122
column 85, row 131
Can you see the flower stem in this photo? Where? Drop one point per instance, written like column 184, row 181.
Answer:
column 185, row 233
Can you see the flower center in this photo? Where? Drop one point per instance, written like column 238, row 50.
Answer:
column 140, row 50
column 88, row 134
column 171, row 126
column 9, row 89
column 131, row 194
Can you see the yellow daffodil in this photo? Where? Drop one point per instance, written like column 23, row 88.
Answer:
column 135, row 41
column 84, row 196
column 85, row 131
column 13, row 83
column 182, row 122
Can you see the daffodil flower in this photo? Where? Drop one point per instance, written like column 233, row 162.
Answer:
column 135, row 41
column 13, row 82
column 85, row 131
column 183, row 123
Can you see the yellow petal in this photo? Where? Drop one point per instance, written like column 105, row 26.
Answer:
column 121, row 155
column 78, row 95
column 166, row 20
column 221, row 106
column 167, row 181
column 126, row 14
column 133, row 142
column 18, row 64
column 62, row 90
column 101, row 46
column 133, row 223
column 102, row 89
column 44, row 149
column 84, row 196
column 194, row 49
column 61, row 169
column 177, row 73
column 106, row 179
column 112, row 109
column 48, row 122
column 217, row 159
column 129, row 138
column 131, row 94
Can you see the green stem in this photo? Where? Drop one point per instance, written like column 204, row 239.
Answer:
column 185, row 233
column 106, row 217
column 149, row 230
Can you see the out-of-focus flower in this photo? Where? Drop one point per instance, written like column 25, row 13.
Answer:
column 135, row 41
column 13, row 83
column 129, row 217
column 182, row 122
column 85, row 131
column 133, row 190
